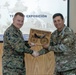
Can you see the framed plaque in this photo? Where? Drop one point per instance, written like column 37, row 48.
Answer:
column 44, row 64
column 39, row 37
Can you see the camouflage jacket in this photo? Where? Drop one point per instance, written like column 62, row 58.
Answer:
column 14, row 48
column 63, row 45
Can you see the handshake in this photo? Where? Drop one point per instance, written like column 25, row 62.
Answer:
column 35, row 54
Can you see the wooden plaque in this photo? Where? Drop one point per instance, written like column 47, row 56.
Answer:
column 39, row 37
column 44, row 64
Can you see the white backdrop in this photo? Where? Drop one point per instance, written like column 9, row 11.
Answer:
column 38, row 13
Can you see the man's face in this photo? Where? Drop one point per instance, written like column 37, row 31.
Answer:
column 18, row 21
column 59, row 23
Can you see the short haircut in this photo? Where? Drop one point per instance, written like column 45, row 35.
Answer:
column 58, row 14
column 20, row 14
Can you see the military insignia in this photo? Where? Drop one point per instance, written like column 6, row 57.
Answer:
column 44, row 41
column 33, row 39
column 39, row 37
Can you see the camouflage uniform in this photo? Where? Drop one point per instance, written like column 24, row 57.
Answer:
column 63, row 45
column 13, row 52
column 69, row 72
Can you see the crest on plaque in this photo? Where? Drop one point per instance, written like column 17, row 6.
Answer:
column 39, row 37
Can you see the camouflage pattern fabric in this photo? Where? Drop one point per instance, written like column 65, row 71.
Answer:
column 12, row 71
column 13, row 52
column 69, row 72
column 63, row 45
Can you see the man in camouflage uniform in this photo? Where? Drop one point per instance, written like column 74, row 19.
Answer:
column 63, row 44
column 14, row 48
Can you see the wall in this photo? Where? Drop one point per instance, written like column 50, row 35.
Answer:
column 72, row 14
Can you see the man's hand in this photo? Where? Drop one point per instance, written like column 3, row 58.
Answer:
column 32, row 44
column 45, row 46
column 35, row 53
